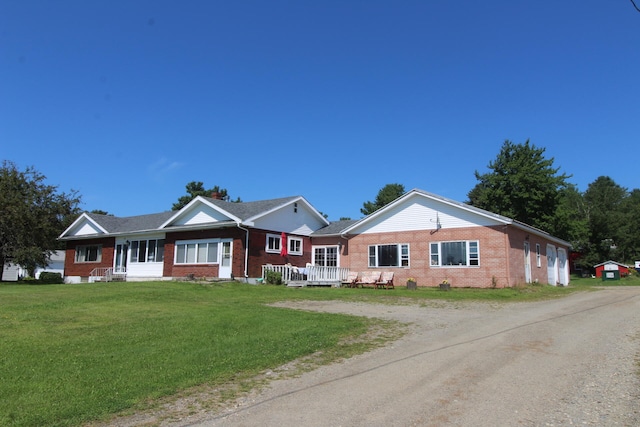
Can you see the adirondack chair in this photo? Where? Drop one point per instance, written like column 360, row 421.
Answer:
column 368, row 278
column 385, row 281
column 351, row 279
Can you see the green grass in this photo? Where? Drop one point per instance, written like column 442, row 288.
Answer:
column 70, row 354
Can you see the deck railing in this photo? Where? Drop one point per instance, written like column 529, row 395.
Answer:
column 311, row 273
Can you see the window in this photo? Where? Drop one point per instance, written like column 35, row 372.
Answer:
column 464, row 254
column 389, row 255
column 197, row 252
column 89, row 253
column 295, row 246
column 325, row 256
column 147, row 250
column 538, row 257
column 273, row 243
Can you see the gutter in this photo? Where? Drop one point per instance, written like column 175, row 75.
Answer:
column 246, row 250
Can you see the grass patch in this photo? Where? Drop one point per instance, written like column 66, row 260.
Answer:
column 70, row 354
column 74, row 353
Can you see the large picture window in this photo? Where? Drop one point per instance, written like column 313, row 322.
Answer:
column 147, row 250
column 462, row 254
column 89, row 253
column 396, row 255
column 197, row 252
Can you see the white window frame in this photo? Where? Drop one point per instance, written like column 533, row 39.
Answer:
column 435, row 254
column 292, row 249
column 158, row 253
column 277, row 240
column 325, row 251
column 198, row 246
column 538, row 256
column 373, row 252
column 83, row 250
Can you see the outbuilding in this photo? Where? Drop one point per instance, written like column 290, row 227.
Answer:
column 611, row 266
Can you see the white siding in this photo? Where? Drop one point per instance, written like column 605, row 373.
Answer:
column 144, row 269
column 419, row 213
column 302, row 222
column 84, row 228
column 200, row 214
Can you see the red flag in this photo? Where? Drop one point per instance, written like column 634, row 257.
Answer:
column 283, row 245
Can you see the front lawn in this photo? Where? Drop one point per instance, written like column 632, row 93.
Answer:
column 70, row 354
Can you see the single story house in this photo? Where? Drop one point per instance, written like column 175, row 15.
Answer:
column 622, row 269
column 208, row 238
column 420, row 235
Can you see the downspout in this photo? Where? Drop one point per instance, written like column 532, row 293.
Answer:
column 246, row 250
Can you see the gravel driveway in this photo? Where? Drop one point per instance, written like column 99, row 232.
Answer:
column 571, row 361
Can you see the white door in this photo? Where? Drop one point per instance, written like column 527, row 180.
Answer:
column 563, row 277
column 552, row 268
column 120, row 262
column 527, row 262
column 225, row 260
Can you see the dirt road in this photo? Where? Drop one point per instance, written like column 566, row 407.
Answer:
column 571, row 361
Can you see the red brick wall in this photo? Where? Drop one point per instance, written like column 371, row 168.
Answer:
column 204, row 270
column 501, row 256
column 258, row 255
column 83, row 269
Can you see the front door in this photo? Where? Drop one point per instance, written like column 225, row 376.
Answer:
column 225, row 260
column 527, row 262
column 120, row 265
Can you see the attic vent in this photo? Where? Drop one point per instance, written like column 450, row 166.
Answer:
column 295, row 207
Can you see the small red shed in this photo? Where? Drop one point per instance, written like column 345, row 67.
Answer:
column 622, row 269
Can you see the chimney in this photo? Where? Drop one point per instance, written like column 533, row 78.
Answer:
column 216, row 195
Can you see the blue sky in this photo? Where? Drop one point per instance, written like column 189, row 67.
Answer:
column 128, row 101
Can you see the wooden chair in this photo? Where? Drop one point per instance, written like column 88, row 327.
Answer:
column 351, row 279
column 368, row 278
column 385, row 281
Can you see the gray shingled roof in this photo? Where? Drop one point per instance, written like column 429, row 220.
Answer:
column 114, row 224
column 335, row 227
column 243, row 210
column 246, row 210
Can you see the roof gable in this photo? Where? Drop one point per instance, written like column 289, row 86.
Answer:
column 293, row 216
column 84, row 225
column 419, row 210
column 199, row 211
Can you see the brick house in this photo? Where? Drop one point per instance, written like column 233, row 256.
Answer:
column 431, row 238
column 207, row 238
column 420, row 235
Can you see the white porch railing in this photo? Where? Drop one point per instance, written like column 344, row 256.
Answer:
column 106, row 274
column 311, row 273
column 326, row 274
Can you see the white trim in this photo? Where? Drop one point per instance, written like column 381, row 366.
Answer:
column 297, row 239
column 277, row 237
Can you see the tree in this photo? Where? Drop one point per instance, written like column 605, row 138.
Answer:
column 33, row 215
column 522, row 185
column 386, row 195
column 195, row 189
column 629, row 242
column 572, row 220
column 605, row 212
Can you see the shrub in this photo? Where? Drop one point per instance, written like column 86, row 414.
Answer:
column 273, row 277
column 52, row 278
